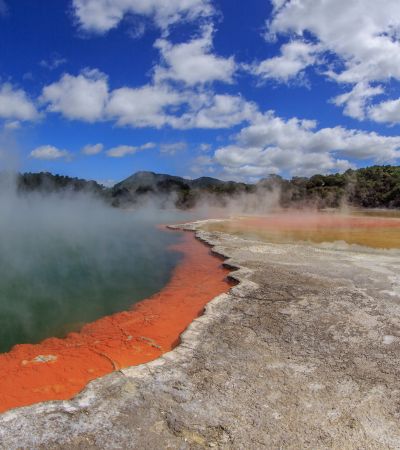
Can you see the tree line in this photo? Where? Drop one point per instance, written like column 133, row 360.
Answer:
column 371, row 187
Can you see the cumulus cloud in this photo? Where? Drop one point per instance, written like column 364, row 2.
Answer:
column 257, row 162
column 388, row 111
column 355, row 102
column 362, row 35
column 144, row 106
column 81, row 97
column 92, row 149
column 87, row 97
column 193, row 62
column 179, row 94
column 273, row 145
column 153, row 105
column 15, row 104
column 100, row 16
column 49, row 152
column 217, row 111
column 295, row 56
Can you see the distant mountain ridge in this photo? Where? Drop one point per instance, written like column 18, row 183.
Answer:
column 376, row 187
column 186, row 192
column 148, row 179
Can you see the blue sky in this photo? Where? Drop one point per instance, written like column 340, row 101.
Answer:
column 238, row 90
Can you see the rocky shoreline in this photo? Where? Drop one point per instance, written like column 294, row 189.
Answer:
column 302, row 353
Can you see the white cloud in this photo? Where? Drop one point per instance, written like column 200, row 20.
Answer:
column 53, row 62
column 203, row 164
column 87, row 97
column 147, row 146
column 12, row 125
column 121, row 150
column 136, row 29
column 388, row 112
column 257, row 162
column 271, row 145
column 363, row 35
column 100, row 16
column 193, row 62
column 204, row 147
column 173, row 148
column 358, row 105
column 15, row 104
column 92, row 149
column 49, row 152
column 142, row 107
column 355, row 102
column 269, row 130
column 162, row 102
column 81, row 97
column 217, row 111
column 295, row 57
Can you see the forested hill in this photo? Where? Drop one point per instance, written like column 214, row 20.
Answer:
column 46, row 182
column 371, row 187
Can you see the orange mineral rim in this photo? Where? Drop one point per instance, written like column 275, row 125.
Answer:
column 57, row 369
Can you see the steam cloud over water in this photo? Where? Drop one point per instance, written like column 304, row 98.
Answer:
column 69, row 259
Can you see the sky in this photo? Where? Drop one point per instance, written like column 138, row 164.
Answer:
column 100, row 89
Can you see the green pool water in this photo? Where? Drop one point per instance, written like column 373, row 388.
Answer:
column 65, row 265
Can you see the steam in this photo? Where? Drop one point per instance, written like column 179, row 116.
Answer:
column 206, row 205
column 260, row 202
column 67, row 259
column 9, row 154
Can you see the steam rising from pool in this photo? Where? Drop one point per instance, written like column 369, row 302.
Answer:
column 67, row 260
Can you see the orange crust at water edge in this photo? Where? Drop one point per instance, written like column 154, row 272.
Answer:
column 58, row 369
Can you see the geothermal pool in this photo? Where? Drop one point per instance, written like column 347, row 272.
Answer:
column 60, row 368
column 86, row 290
column 55, row 277
column 377, row 229
column 109, row 289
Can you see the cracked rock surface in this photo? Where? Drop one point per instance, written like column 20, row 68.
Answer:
column 303, row 353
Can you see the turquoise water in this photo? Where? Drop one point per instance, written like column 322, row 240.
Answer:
column 66, row 263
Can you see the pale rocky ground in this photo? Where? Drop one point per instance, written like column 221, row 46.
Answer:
column 303, row 354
